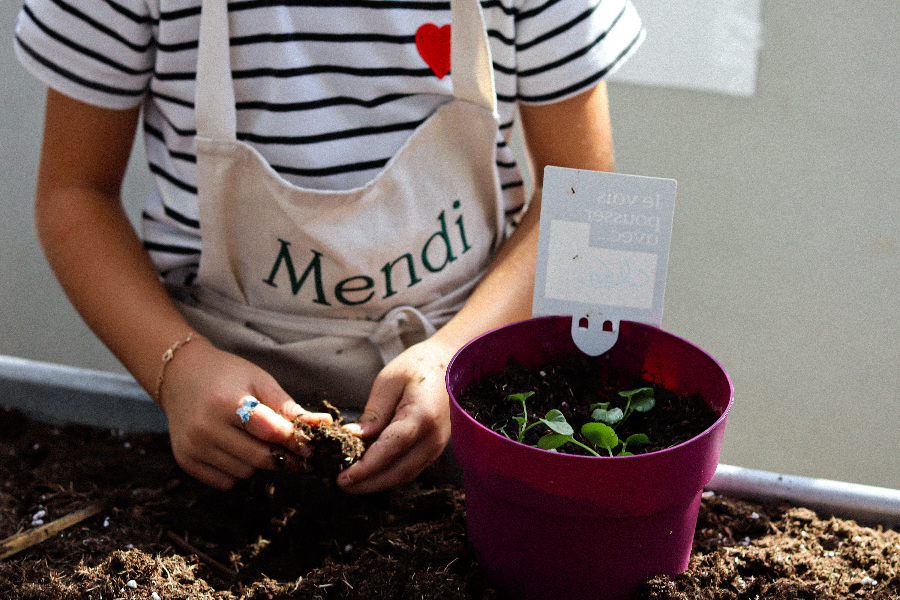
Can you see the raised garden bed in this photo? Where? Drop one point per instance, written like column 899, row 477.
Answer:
column 159, row 534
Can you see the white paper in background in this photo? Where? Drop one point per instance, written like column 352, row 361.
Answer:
column 709, row 45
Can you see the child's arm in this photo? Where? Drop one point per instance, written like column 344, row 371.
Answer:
column 408, row 409
column 101, row 264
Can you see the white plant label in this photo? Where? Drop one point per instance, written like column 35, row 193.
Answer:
column 603, row 251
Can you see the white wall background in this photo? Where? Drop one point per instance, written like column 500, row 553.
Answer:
column 36, row 320
column 785, row 260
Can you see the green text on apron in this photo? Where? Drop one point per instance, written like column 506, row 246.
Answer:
column 322, row 288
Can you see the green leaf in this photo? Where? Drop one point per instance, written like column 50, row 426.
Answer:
column 556, row 421
column 600, row 435
column 637, row 439
column 610, row 417
column 639, row 392
column 520, row 397
column 643, row 404
column 623, row 453
column 552, row 441
column 596, row 405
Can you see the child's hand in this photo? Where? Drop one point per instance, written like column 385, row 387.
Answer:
column 227, row 417
column 409, row 412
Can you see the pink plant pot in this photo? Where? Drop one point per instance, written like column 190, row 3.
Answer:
column 550, row 525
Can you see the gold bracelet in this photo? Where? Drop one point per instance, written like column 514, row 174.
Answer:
column 166, row 357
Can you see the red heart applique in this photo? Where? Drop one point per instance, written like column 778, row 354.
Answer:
column 433, row 44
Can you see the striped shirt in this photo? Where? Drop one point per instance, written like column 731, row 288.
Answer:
column 326, row 91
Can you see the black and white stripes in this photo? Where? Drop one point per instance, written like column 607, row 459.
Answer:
column 327, row 90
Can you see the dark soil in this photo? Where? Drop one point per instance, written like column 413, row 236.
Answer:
column 571, row 385
column 332, row 448
column 160, row 534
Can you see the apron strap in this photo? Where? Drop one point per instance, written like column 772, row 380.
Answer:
column 214, row 94
column 472, row 72
column 214, row 102
column 397, row 323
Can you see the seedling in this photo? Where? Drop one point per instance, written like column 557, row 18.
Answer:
column 551, row 420
column 600, row 435
column 601, row 432
column 604, row 436
column 562, row 434
column 639, row 400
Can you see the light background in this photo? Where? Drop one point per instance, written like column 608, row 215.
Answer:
column 785, row 258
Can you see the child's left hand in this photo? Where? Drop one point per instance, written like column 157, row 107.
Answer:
column 409, row 412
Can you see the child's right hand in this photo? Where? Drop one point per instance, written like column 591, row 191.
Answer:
column 201, row 393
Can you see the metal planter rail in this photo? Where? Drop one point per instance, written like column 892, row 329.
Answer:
column 867, row 505
column 59, row 395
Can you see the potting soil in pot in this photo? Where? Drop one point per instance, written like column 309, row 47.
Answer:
column 160, row 534
column 571, row 385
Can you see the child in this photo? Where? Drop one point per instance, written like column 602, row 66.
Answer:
column 347, row 166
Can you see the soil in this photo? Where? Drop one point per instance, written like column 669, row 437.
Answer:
column 331, row 448
column 571, row 385
column 161, row 535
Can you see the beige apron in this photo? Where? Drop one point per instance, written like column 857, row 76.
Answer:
column 322, row 288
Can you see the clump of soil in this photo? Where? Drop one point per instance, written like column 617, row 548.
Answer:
column 281, row 536
column 331, row 448
column 570, row 385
